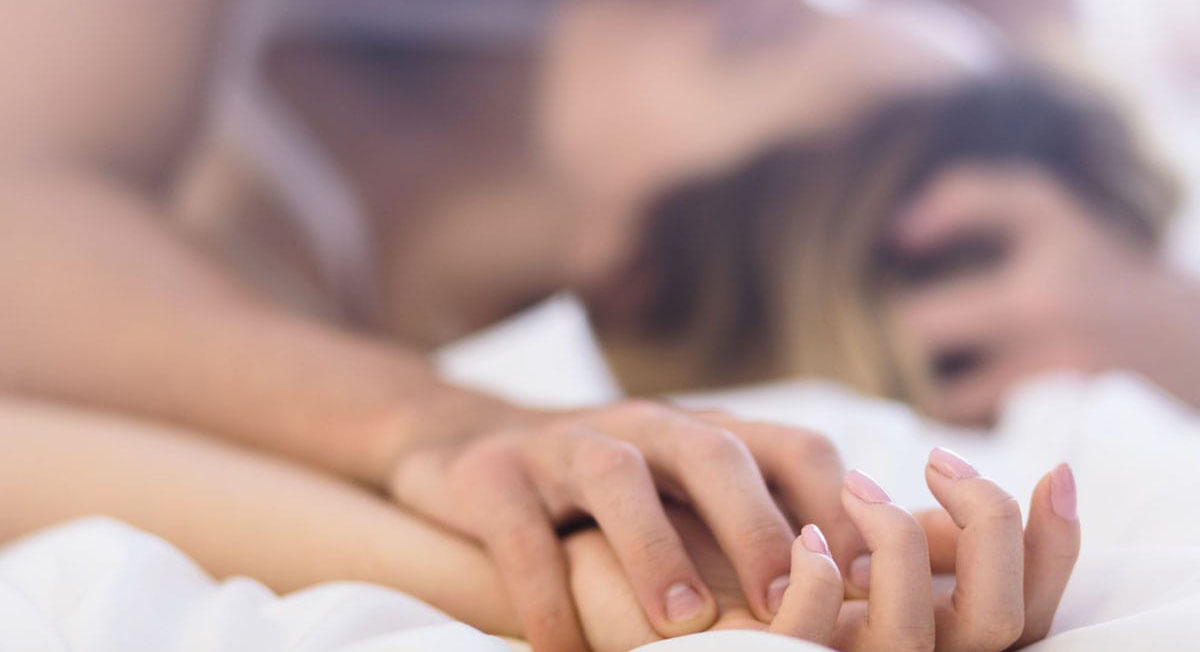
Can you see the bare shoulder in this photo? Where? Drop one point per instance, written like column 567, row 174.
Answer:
column 116, row 83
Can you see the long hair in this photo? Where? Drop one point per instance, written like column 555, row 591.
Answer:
column 775, row 269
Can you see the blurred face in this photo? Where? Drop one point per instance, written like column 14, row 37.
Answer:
column 1002, row 273
column 629, row 97
column 601, row 247
column 638, row 96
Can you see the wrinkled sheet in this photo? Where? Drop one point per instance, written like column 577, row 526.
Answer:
column 1136, row 457
column 98, row 585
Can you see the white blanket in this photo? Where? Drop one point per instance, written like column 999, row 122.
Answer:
column 1136, row 456
column 96, row 585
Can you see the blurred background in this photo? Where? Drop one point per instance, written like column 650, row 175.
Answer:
column 928, row 201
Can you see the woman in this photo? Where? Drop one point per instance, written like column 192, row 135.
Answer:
column 960, row 242
column 106, row 307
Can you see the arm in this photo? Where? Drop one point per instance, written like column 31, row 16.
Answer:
column 232, row 511
column 101, row 102
column 125, row 318
column 103, row 307
column 236, row 512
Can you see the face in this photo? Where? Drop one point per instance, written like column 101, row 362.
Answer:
column 629, row 98
column 1001, row 274
column 637, row 97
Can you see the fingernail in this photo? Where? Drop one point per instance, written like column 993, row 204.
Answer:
column 775, row 591
column 1062, row 492
column 683, row 603
column 813, row 540
column 951, row 465
column 865, row 489
column 860, row 572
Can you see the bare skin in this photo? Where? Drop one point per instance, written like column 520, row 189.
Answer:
column 577, row 137
column 104, row 307
column 291, row 527
column 1072, row 292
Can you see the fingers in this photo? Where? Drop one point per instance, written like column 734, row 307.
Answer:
column 942, row 533
column 956, row 313
column 806, row 471
column 616, row 488
column 719, row 477
column 729, row 492
column 949, row 207
column 1051, row 548
column 986, row 610
column 609, row 610
column 900, row 611
column 522, row 541
column 814, row 597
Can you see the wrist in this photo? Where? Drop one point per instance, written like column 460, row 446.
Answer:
column 439, row 415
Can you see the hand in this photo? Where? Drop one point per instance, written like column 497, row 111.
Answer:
column 1018, row 277
column 1008, row 582
column 513, row 488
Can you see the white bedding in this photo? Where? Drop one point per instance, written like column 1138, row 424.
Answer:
column 96, row 585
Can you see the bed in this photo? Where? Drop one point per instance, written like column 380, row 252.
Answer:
column 99, row 585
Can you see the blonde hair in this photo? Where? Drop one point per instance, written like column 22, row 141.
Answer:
column 776, row 269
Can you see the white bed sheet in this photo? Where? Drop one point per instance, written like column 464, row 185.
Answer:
column 97, row 585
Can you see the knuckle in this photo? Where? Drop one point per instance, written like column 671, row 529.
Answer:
column 488, row 454
column 767, row 533
column 714, row 444
column 1004, row 511
column 1059, row 552
column 603, row 460
column 656, row 550
column 904, row 533
column 473, row 472
column 825, row 577
column 808, row 448
column 909, row 540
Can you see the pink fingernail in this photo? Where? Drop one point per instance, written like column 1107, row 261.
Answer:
column 951, row 465
column 683, row 603
column 775, row 591
column 813, row 540
column 1062, row 492
column 865, row 489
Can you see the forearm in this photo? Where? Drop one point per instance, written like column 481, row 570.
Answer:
column 103, row 307
column 232, row 511
column 238, row 513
